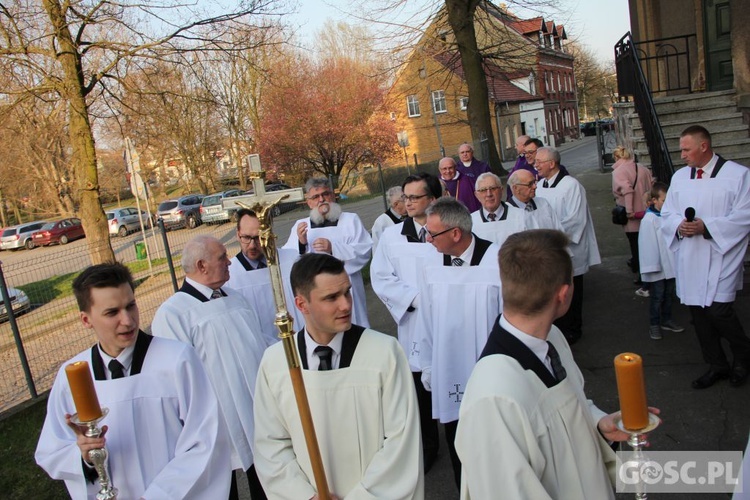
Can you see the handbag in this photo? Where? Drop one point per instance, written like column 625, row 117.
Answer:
column 619, row 214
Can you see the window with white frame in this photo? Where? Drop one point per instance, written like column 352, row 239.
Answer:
column 438, row 101
column 412, row 105
column 463, row 103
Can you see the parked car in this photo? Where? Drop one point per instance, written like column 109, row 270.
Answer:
column 212, row 211
column 125, row 220
column 60, row 232
column 588, row 128
column 19, row 301
column 20, row 236
column 181, row 212
column 282, row 207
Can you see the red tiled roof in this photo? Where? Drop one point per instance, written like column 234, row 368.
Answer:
column 561, row 32
column 529, row 25
column 498, row 84
column 551, row 27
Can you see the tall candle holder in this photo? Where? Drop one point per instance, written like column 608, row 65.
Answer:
column 638, row 440
column 98, row 456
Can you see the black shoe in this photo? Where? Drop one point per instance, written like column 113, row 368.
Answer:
column 738, row 376
column 710, row 378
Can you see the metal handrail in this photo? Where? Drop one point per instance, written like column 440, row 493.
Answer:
column 670, row 56
column 632, row 82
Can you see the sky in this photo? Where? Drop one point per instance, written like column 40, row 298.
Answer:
column 598, row 24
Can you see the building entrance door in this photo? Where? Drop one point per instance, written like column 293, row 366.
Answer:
column 719, row 73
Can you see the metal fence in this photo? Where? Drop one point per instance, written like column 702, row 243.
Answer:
column 34, row 344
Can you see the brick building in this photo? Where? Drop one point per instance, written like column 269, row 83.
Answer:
column 529, row 77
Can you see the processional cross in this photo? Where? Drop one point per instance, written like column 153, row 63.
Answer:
column 262, row 204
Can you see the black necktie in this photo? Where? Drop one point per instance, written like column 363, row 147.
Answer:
column 529, row 207
column 261, row 265
column 116, row 369
column 492, row 217
column 325, row 354
column 423, row 235
column 458, row 262
column 545, row 183
column 554, row 360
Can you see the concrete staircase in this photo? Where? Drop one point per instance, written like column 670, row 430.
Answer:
column 717, row 111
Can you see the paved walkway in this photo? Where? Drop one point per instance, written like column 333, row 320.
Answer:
column 615, row 321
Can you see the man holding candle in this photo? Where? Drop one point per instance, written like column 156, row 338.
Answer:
column 163, row 432
column 226, row 333
column 526, row 429
column 706, row 220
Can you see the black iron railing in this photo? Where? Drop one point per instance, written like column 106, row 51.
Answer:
column 632, row 82
column 666, row 63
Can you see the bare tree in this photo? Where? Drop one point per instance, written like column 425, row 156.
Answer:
column 595, row 82
column 80, row 51
column 238, row 82
column 468, row 30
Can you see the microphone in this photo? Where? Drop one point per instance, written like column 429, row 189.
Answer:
column 690, row 214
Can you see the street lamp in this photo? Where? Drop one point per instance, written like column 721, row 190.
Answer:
column 403, row 141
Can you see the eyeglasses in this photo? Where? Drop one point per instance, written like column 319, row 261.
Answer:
column 485, row 190
column 247, row 239
column 530, row 153
column 528, row 184
column 435, row 235
column 413, row 197
column 320, row 196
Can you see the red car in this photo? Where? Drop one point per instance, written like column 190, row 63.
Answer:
column 61, row 232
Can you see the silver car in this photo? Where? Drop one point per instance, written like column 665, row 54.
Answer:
column 20, row 236
column 18, row 299
column 122, row 221
column 212, row 211
column 181, row 212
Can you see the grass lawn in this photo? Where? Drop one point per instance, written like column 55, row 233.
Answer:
column 43, row 291
column 22, row 477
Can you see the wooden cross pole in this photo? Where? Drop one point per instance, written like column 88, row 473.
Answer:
column 262, row 204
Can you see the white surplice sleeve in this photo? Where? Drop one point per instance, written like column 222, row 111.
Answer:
column 511, row 435
column 395, row 471
column 731, row 229
column 648, row 249
column 275, row 456
column 57, row 451
column 576, row 211
column 395, row 293
column 201, row 464
column 293, row 241
column 356, row 247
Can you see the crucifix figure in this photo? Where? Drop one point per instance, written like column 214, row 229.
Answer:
column 262, row 204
